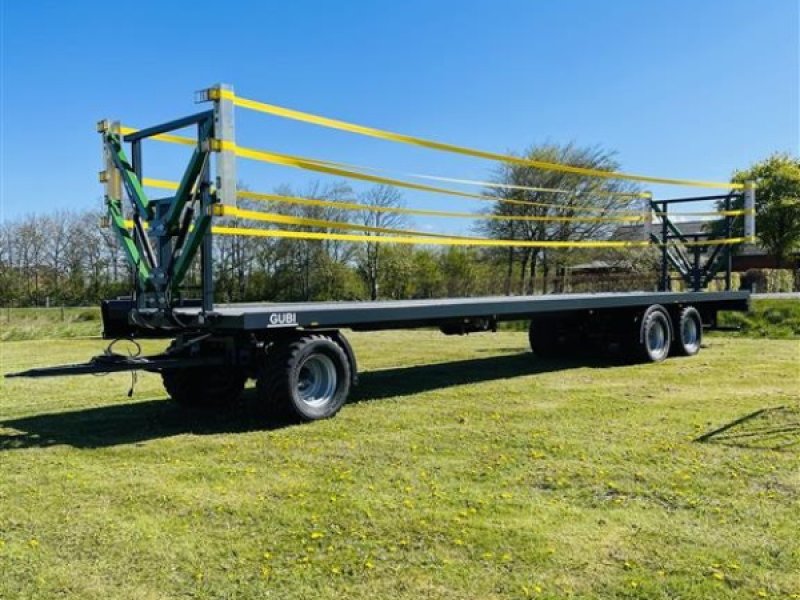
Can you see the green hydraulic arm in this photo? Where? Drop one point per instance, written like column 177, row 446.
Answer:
column 195, row 239
column 190, row 175
column 131, row 182
column 117, row 220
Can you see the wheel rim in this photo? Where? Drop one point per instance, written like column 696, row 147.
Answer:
column 657, row 338
column 690, row 333
column 316, row 381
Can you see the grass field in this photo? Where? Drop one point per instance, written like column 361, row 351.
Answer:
column 463, row 468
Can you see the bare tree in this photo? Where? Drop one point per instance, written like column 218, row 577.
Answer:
column 381, row 199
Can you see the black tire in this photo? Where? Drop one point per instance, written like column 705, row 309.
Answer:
column 205, row 387
column 306, row 378
column 688, row 332
column 548, row 339
column 652, row 335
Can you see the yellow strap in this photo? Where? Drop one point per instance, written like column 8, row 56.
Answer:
column 449, row 240
column 446, row 241
column 363, row 173
column 163, row 137
column 723, row 242
column 297, row 115
column 231, row 211
column 300, row 162
column 424, row 212
column 630, row 218
column 160, row 183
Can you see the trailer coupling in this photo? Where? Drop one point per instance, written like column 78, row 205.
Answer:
column 115, row 363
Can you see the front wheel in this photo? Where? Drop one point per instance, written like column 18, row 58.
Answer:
column 652, row 335
column 204, row 387
column 307, row 378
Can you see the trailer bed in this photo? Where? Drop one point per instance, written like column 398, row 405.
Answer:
column 400, row 314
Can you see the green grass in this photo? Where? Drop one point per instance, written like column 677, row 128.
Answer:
column 49, row 323
column 770, row 318
column 480, row 473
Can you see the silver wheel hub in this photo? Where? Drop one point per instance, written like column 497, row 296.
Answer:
column 657, row 338
column 317, row 380
column 690, row 334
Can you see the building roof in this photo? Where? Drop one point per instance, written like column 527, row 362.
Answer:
column 636, row 232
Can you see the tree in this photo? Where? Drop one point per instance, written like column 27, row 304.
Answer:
column 368, row 256
column 582, row 196
column 777, row 181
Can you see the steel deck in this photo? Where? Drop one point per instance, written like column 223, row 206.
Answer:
column 416, row 313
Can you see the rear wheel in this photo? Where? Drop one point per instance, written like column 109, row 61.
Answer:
column 307, row 378
column 652, row 335
column 688, row 332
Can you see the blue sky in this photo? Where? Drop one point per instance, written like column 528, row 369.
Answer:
column 678, row 88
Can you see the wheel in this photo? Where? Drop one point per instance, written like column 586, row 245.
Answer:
column 547, row 338
column 306, row 378
column 688, row 332
column 652, row 335
column 204, row 387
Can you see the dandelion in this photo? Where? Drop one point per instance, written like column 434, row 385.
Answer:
column 34, row 543
column 316, row 535
column 369, row 565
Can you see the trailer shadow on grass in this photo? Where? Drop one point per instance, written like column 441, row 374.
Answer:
column 138, row 422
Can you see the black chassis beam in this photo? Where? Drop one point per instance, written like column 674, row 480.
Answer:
column 116, row 363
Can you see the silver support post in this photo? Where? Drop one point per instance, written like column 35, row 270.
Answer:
column 750, row 208
column 110, row 175
column 225, row 133
column 647, row 215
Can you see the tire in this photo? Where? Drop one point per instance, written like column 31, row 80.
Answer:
column 688, row 332
column 547, row 339
column 204, row 387
column 652, row 335
column 306, row 378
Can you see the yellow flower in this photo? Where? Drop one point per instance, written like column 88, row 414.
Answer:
column 315, row 535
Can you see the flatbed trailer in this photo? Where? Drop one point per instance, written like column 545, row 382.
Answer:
column 461, row 315
column 303, row 365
